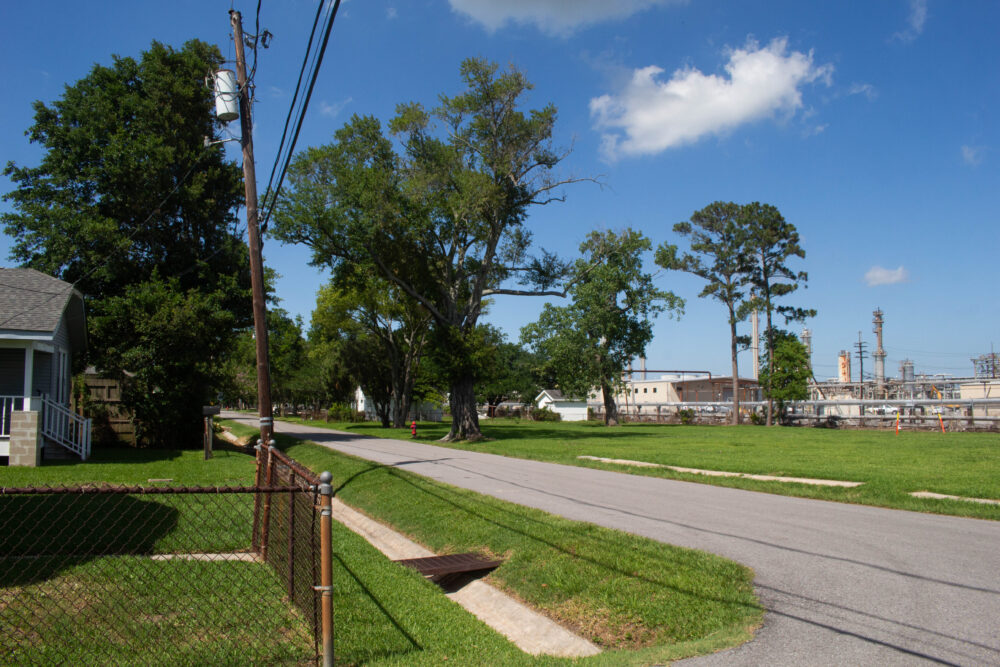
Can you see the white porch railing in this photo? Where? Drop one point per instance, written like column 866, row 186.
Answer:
column 66, row 428
column 8, row 404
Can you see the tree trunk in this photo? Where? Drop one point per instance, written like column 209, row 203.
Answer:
column 610, row 407
column 736, row 376
column 464, row 418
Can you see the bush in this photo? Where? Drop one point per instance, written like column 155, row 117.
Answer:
column 344, row 413
column 686, row 415
column 756, row 418
column 545, row 415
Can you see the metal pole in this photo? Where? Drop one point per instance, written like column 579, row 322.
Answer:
column 253, row 237
column 326, row 565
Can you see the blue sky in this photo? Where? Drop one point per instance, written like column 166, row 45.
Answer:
column 871, row 126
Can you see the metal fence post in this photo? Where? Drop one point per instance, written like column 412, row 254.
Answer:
column 291, row 535
column 258, row 482
column 266, row 519
column 326, row 565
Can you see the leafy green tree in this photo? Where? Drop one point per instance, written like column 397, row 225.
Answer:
column 385, row 328
column 444, row 220
column 590, row 342
column 287, row 356
column 129, row 205
column 785, row 376
column 506, row 372
column 717, row 236
column 771, row 243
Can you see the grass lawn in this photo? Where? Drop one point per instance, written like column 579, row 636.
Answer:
column 891, row 466
column 61, row 604
column 131, row 610
column 136, row 467
column 644, row 601
column 641, row 600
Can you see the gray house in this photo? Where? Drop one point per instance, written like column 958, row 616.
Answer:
column 42, row 328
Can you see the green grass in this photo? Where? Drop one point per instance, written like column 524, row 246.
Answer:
column 135, row 467
column 642, row 600
column 646, row 602
column 131, row 610
column 891, row 466
column 123, row 607
column 242, row 431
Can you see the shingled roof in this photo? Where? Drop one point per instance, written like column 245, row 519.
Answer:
column 31, row 301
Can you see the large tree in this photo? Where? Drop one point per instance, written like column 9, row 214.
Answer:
column 443, row 220
column 129, row 205
column 771, row 243
column 717, row 236
column 590, row 342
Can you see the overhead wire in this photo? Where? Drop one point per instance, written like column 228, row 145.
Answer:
column 317, row 60
column 295, row 96
column 272, row 195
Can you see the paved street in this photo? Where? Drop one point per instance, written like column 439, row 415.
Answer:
column 842, row 584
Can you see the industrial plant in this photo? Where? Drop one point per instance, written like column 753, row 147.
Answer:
column 855, row 397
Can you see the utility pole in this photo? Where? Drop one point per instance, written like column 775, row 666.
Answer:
column 860, row 345
column 253, row 236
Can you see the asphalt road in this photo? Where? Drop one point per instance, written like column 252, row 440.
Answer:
column 842, row 584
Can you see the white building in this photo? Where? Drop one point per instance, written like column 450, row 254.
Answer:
column 425, row 411
column 569, row 409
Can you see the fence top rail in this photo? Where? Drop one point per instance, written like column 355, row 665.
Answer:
column 143, row 490
column 299, row 469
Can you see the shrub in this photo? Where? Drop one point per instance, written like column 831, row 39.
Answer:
column 756, row 418
column 545, row 415
column 686, row 415
column 344, row 413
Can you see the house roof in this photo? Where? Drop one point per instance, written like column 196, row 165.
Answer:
column 556, row 395
column 31, row 301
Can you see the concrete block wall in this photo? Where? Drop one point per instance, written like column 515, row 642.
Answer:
column 25, row 439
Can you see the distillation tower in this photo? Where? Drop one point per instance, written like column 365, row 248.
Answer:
column 879, row 353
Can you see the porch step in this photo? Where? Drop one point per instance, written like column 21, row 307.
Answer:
column 53, row 451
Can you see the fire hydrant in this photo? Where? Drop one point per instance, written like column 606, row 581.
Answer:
column 413, row 428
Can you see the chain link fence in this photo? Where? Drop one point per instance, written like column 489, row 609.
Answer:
column 167, row 575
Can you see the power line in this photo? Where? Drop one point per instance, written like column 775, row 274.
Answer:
column 295, row 96
column 317, row 63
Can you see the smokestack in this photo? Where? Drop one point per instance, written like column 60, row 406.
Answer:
column 807, row 340
column 879, row 353
column 642, row 367
column 844, row 366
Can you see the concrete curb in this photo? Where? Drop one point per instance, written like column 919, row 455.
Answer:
column 942, row 496
column 720, row 473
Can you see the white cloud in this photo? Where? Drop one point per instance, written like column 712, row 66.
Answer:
column 333, row 110
column 915, row 22
column 878, row 275
column 650, row 115
column 866, row 89
column 973, row 155
column 556, row 17
column 391, row 13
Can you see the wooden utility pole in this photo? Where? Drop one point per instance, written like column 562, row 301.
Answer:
column 253, row 234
